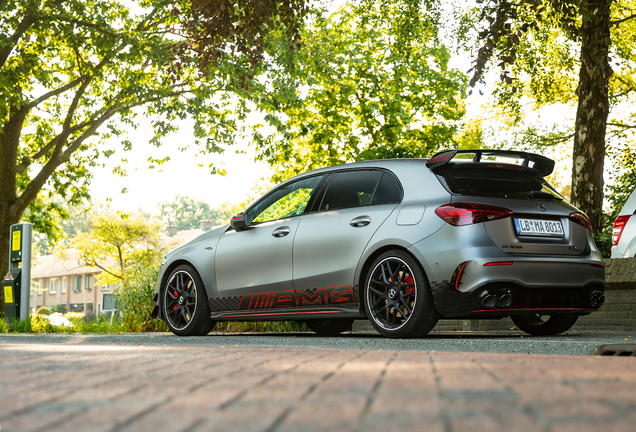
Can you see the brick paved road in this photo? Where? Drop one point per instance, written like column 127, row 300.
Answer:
column 68, row 387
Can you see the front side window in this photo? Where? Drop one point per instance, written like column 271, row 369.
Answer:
column 288, row 201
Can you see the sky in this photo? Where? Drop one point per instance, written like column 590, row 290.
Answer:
column 146, row 188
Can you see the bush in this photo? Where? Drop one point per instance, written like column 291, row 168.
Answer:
column 134, row 300
column 59, row 309
column 43, row 310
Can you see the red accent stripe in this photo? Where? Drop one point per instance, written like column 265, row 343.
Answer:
column 281, row 313
column 598, row 266
column 499, row 263
column 460, row 275
column 534, row 309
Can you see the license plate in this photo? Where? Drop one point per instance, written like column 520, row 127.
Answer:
column 536, row 227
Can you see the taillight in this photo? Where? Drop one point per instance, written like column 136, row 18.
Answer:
column 619, row 224
column 458, row 214
column 581, row 219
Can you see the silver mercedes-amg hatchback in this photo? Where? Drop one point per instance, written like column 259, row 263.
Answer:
column 473, row 234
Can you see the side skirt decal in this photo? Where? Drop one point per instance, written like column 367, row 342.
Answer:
column 338, row 296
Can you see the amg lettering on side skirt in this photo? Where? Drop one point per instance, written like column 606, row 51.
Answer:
column 298, row 298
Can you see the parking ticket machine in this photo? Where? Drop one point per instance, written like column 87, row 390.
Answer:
column 16, row 284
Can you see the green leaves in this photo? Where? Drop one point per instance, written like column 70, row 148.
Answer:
column 368, row 81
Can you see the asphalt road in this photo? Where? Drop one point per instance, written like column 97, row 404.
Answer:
column 510, row 342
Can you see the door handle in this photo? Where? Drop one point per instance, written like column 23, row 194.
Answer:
column 360, row 221
column 281, row 232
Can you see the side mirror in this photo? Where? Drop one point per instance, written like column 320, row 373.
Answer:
column 238, row 222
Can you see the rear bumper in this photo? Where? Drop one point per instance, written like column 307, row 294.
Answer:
column 529, row 286
column 499, row 300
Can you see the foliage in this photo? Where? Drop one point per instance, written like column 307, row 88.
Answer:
column 221, row 28
column 552, row 53
column 59, row 308
column 43, row 310
column 117, row 243
column 134, row 299
column 370, row 81
column 75, row 74
column 187, row 213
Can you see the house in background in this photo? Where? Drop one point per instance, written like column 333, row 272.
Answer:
column 70, row 286
column 66, row 284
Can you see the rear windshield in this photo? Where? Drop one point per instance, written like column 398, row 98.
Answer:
column 497, row 181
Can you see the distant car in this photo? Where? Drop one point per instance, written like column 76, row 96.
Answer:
column 401, row 243
column 624, row 232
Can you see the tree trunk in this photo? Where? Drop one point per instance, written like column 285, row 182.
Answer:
column 593, row 108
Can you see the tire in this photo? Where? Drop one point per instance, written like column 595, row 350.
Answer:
column 397, row 297
column 538, row 325
column 329, row 327
column 184, row 303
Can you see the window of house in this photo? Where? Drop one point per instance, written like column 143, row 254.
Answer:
column 64, row 285
column 89, row 282
column 53, row 286
column 77, row 286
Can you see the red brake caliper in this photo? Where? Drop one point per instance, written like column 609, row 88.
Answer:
column 177, row 295
column 409, row 289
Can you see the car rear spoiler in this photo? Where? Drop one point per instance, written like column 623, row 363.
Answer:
column 541, row 163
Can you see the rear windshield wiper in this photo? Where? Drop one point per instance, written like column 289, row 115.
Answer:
column 543, row 195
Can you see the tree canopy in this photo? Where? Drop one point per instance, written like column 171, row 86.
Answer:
column 369, row 81
column 116, row 243
column 76, row 74
column 566, row 52
column 186, row 213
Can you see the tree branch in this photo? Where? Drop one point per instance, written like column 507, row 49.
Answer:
column 24, row 25
column 622, row 126
column 622, row 20
column 55, row 92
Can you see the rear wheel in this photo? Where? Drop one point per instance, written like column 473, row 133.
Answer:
column 398, row 298
column 544, row 325
column 185, row 304
column 329, row 327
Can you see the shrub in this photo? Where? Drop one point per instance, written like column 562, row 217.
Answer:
column 43, row 310
column 59, row 309
column 134, row 300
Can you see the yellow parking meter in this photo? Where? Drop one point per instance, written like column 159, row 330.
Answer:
column 11, row 290
column 17, row 282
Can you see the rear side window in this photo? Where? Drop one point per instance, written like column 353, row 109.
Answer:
column 495, row 181
column 388, row 192
column 360, row 188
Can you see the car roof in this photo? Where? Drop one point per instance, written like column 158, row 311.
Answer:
column 390, row 164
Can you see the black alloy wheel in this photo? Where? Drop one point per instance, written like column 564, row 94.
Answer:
column 329, row 327
column 545, row 325
column 398, row 299
column 184, row 303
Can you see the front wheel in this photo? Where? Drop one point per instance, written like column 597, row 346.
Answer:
column 329, row 327
column 397, row 297
column 544, row 325
column 185, row 304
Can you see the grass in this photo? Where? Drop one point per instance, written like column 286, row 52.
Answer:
column 82, row 324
